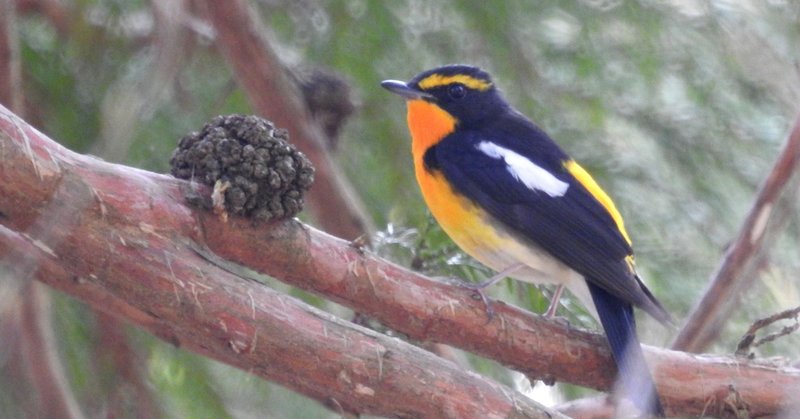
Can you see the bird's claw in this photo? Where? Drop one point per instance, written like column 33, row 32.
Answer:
column 477, row 289
column 561, row 320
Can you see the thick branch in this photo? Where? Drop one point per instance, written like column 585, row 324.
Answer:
column 127, row 242
column 258, row 70
column 120, row 244
column 259, row 330
column 731, row 279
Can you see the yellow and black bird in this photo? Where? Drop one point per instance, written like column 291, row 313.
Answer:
column 509, row 196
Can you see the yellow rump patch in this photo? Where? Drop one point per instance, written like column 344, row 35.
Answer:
column 598, row 193
column 437, row 80
column 631, row 264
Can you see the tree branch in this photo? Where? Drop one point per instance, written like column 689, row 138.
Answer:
column 34, row 347
column 333, row 201
column 731, row 279
column 128, row 244
column 125, row 253
column 259, row 330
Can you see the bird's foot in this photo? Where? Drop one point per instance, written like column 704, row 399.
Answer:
column 477, row 289
column 561, row 320
column 554, row 302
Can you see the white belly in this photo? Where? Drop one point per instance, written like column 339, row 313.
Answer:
column 540, row 267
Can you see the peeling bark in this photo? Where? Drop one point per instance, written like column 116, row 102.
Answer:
column 126, row 243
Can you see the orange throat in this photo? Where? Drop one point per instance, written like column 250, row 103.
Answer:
column 428, row 124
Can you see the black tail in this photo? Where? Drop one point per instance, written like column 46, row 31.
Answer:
column 616, row 316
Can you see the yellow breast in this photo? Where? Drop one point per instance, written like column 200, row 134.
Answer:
column 468, row 225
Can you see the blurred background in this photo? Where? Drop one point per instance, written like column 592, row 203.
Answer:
column 678, row 107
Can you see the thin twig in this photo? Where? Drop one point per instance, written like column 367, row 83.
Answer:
column 749, row 338
column 731, row 278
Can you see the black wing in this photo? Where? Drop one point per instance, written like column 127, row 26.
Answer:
column 575, row 228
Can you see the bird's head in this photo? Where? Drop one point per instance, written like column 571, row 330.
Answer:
column 466, row 93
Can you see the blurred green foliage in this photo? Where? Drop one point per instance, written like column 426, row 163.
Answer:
column 677, row 107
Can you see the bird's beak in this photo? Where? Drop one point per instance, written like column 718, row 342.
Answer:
column 404, row 90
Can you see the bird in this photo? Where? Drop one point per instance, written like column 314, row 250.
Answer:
column 510, row 197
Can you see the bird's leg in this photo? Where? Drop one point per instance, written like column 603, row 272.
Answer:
column 478, row 288
column 551, row 310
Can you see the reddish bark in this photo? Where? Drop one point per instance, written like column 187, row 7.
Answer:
column 120, row 244
column 126, row 242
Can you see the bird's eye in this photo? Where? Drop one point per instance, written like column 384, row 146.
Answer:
column 457, row 91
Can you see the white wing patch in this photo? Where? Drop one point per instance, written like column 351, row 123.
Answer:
column 524, row 170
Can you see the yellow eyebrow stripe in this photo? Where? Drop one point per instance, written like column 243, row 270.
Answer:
column 598, row 193
column 437, row 80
